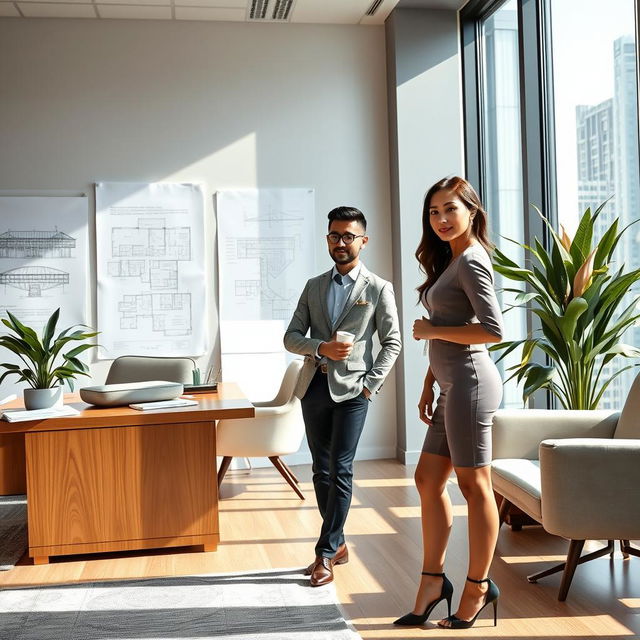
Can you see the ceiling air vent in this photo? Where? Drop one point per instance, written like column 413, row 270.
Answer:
column 270, row 10
column 258, row 9
column 375, row 5
column 282, row 9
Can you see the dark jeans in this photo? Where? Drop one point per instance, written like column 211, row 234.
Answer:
column 333, row 431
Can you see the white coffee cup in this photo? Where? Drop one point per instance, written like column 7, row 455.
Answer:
column 345, row 336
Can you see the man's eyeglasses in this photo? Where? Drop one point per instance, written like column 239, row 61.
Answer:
column 347, row 238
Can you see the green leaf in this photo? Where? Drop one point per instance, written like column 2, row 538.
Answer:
column 568, row 322
column 27, row 334
column 625, row 350
column 50, row 328
column 606, row 245
column 581, row 245
column 508, row 346
column 537, row 377
column 74, row 352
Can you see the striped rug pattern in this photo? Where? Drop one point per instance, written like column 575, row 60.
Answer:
column 272, row 605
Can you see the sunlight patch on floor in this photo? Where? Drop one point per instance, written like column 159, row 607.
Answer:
column 383, row 482
column 532, row 559
column 632, row 603
column 566, row 627
column 414, row 512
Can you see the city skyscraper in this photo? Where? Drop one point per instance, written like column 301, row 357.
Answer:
column 607, row 145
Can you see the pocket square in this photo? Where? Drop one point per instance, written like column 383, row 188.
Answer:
column 362, row 302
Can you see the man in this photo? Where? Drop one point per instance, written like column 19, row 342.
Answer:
column 338, row 378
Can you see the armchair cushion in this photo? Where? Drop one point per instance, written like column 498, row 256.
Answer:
column 518, row 480
column 517, row 433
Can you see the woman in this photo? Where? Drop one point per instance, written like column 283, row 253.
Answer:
column 464, row 316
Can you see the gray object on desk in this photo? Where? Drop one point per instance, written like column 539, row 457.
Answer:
column 117, row 395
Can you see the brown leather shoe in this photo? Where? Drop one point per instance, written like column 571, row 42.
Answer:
column 322, row 572
column 341, row 557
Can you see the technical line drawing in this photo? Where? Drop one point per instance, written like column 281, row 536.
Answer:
column 157, row 274
column 34, row 280
column 170, row 313
column 273, row 215
column 152, row 294
column 36, row 244
column 275, row 255
column 151, row 238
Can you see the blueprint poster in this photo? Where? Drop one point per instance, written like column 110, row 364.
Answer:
column 43, row 263
column 150, row 269
column 266, row 254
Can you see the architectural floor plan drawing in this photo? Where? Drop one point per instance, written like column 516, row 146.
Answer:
column 169, row 313
column 43, row 262
column 151, row 280
column 266, row 254
column 273, row 256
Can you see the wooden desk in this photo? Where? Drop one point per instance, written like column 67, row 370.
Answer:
column 118, row 479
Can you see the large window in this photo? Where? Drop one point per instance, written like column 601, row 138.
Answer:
column 501, row 155
column 596, row 143
column 551, row 119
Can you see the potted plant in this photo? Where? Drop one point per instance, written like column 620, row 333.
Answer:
column 41, row 366
column 580, row 299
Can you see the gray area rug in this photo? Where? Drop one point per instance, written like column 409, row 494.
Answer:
column 268, row 605
column 13, row 530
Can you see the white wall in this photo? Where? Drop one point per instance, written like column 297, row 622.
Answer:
column 226, row 104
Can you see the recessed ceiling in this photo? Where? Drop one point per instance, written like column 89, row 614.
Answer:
column 372, row 12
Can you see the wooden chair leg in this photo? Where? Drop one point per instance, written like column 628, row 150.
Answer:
column 503, row 511
column 288, row 468
column 284, row 472
column 226, row 461
column 575, row 549
column 627, row 549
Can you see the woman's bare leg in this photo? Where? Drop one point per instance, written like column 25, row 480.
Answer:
column 431, row 477
column 475, row 484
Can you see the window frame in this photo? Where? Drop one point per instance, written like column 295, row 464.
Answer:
column 536, row 120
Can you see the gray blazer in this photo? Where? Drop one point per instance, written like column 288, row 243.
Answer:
column 371, row 307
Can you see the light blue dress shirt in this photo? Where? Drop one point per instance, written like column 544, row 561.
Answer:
column 337, row 296
column 338, row 293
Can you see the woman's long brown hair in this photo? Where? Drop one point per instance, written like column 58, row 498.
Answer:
column 434, row 254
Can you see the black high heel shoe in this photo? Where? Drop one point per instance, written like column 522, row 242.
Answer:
column 412, row 619
column 490, row 597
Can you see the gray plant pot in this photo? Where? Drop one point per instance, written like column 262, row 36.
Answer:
column 43, row 398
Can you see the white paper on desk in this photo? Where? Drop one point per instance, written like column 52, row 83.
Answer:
column 151, row 270
column 21, row 415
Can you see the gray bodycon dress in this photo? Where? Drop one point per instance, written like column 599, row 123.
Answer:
column 470, row 385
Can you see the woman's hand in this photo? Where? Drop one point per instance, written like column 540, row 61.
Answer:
column 425, row 405
column 423, row 329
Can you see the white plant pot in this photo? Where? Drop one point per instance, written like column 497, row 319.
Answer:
column 43, row 398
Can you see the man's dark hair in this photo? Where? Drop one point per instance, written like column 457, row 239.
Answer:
column 347, row 213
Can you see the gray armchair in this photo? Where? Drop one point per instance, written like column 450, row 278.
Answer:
column 575, row 472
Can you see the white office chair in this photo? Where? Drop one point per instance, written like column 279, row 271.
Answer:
column 276, row 430
column 127, row 369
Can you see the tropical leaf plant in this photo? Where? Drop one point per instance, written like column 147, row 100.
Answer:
column 580, row 300
column 43, row 363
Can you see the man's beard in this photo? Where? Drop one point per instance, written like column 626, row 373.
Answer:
column 343, row 257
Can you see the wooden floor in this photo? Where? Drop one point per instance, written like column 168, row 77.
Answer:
column 264, row 525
